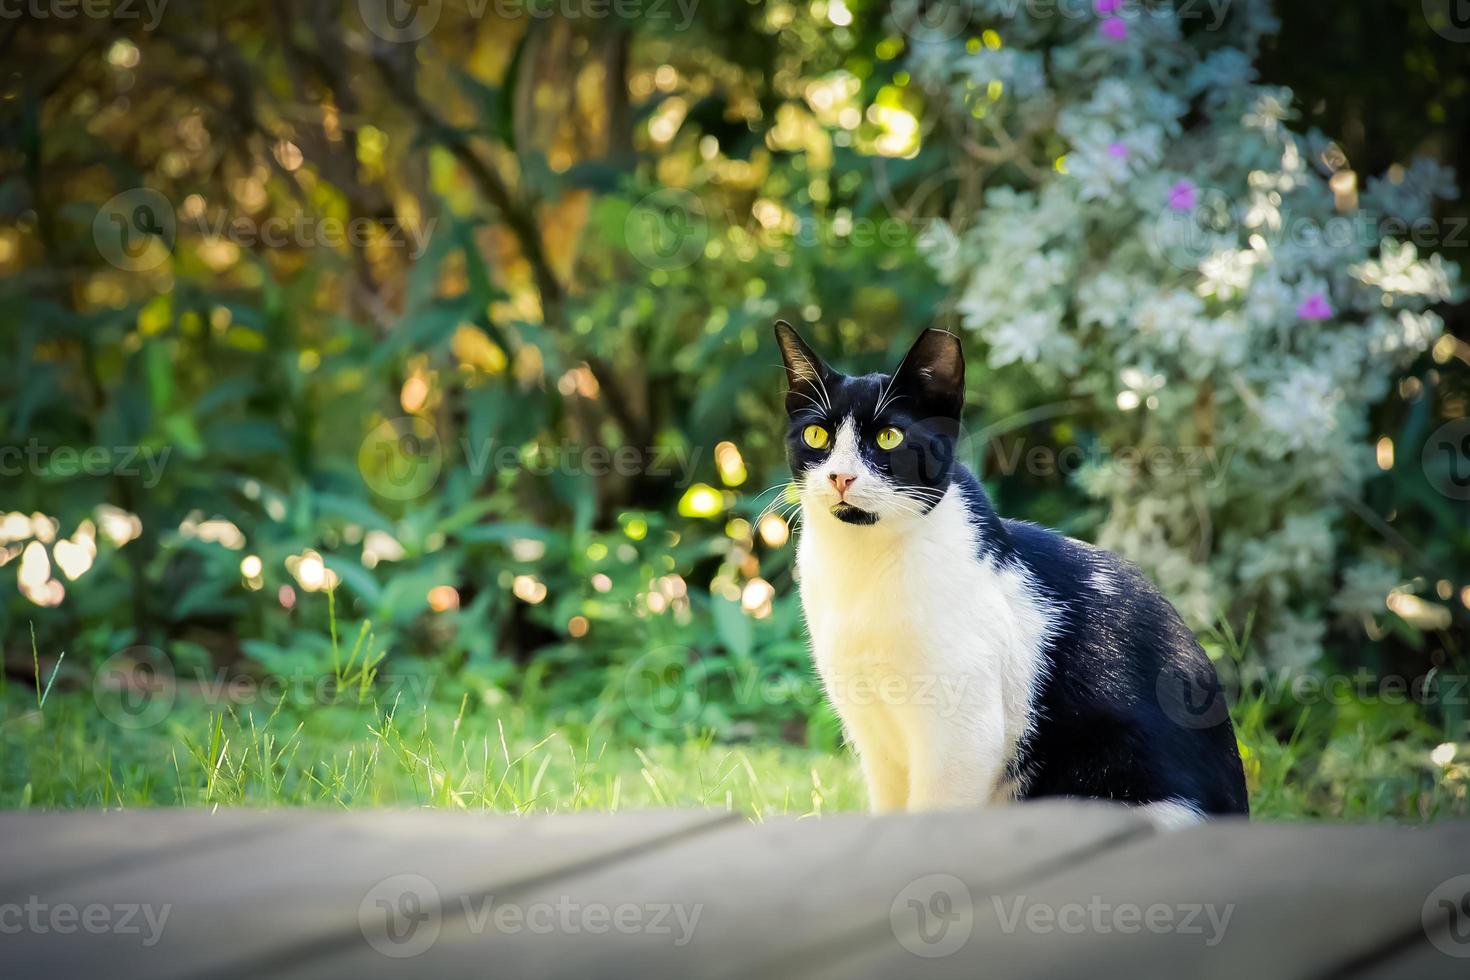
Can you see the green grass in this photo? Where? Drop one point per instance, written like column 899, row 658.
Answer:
column 1353, row 761
column 342, row 744
column 69, row 755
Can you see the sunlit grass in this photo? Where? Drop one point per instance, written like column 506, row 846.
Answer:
column 1354, row 762
column 358, row 746
column 67, row 755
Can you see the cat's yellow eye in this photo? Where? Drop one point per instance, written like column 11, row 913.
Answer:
column 889, row 438
column 815, row 436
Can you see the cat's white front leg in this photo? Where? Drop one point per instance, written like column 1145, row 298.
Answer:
column 959, row 762
column 879, row 743
column 888, row 782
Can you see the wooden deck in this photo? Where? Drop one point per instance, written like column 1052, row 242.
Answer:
column 1044, row 891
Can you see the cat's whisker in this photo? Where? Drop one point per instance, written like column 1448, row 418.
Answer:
column 826, row 396
column 779, row 486
column 821, row 407
column 907, row 508
column 776, row 502
column 887, row 400
column 929, row 497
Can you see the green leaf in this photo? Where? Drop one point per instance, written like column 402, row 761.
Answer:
column 732, row 626
column 356, row 578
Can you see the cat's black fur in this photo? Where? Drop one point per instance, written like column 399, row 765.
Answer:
column 1130, row 707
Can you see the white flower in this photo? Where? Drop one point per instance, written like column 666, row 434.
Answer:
column 1365, row 587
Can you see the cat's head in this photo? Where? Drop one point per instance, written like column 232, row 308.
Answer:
column 878, row 448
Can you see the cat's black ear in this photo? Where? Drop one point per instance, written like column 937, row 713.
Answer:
column 806, row 375
column 934, row 372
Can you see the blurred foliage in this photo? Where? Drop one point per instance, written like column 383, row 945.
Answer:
column 405, row 332
column 459, row 325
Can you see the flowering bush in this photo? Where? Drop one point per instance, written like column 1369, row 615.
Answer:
column 1154, row 241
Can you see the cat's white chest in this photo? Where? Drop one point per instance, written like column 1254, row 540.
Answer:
column 929, row 654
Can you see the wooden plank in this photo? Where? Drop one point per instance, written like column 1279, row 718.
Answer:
column 743, row 900
column 1418, row 960
column 1301, row 900
column 40, row 850
column 238, row 906
column 372, row 893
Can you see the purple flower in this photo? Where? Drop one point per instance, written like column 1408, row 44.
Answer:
column 1106, row 7
column 1315, row 307
column 1113, row 27
column 1118, row 150
column 1183, row 195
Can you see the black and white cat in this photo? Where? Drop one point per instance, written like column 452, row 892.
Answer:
column 974, row 659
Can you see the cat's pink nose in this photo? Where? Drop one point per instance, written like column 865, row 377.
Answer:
column 841, row 481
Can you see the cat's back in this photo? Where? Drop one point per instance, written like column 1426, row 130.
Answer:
column 1127, row 690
